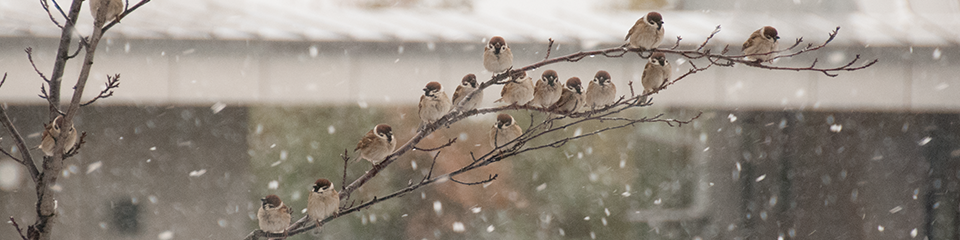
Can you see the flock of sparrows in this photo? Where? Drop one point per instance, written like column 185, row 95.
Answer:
column 548, row 93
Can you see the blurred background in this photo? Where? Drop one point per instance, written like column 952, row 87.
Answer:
column 225, row 101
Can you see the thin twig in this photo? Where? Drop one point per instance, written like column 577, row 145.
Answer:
column 29, row 52
column 26, row 160
column 714, row 33
column 346, row 162
column 549, row 48
column 57, row 5
column 80, row 44
column 46, row 7
column 111, row 84
column 490, row 178
column 432, row 164
column 677, row 44
column 16, row 226
column 8, row 154
column 449, row 142
column 124, row 14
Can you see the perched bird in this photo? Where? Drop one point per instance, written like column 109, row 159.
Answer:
column 377, row 144
column 467, row 85
column 105, row 10
column 497, row 57
column 647, row 32
column 50, row 134
column 434, row 103
column 547, row 90
column 274, row 217
column 571, row 99
column 600, row 91
column 504, row 131
column 323, row 202
column 518, row 91
column 657, row 71
column 764, row 40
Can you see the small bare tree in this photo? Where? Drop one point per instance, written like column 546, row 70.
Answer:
column 45, row 176
column 699, row 59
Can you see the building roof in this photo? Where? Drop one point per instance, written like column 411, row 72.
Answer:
column 308, row 21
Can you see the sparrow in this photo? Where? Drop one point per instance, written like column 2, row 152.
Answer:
column 519, row 90
column 571, row 98
column 646, row 33
column 600, row 91
column 467, row 85
column 323, row 202
column 764, row 40
column 50, row 133
column 106, row 9
column 273, row 216
column 504, row 131
column 657, row 71
column 497, row 57
column 377, row 144
column 434, row 103
column 547, row 90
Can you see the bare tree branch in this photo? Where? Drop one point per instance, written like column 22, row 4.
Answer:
column 489, row 179
column 549, row 48
column 449, row 142
column 83, row 42
column 111, row 84
column 551, row 125
column 16, row 226
column 346, row 162
column 25, row 159
column 46, row 7
column 704, row 44
column 29, row 52
column 8, row 154
column 677, row 44
column 125, row 13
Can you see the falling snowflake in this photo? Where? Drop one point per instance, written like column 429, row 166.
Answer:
column 458, row 227
column 836, row 128
column 217, row 107
column 94, row 166
column 197, row 173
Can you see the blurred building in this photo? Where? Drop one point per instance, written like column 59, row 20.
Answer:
column 866, row 155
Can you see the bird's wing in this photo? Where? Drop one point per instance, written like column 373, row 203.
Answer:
column 755, row 35
column 633, row 28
